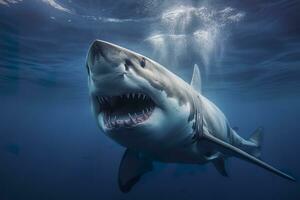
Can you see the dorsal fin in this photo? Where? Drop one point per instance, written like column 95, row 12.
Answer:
column 196, row 79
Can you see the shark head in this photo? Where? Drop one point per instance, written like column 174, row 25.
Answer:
column 136, row 101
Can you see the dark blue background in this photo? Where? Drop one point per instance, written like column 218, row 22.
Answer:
column 50, row 147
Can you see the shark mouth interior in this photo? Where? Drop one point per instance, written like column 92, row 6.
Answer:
column 125, row 110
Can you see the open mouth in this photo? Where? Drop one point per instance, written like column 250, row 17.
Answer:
column 125, row 110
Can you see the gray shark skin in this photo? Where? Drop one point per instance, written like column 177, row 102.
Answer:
column 159, row 117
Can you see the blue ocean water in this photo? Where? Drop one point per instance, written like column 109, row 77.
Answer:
column 50, row 147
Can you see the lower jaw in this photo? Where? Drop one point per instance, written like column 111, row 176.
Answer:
column 130, row 122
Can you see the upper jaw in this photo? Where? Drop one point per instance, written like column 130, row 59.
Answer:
column 126, row 110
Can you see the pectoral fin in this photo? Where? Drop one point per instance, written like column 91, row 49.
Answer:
column 219, row 163
column 234, row 151
column 132, row 167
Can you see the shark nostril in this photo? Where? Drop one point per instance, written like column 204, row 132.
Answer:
column 126, row 67
column 127, row 64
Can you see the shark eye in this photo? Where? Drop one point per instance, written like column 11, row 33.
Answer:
column 143, row 62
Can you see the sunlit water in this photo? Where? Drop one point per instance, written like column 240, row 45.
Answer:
column 50, row 147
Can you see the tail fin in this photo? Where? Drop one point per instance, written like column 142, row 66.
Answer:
column 257, row 138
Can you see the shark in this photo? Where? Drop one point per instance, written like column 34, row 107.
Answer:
column 159, row 117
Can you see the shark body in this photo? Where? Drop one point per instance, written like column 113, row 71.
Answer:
column 157, row 116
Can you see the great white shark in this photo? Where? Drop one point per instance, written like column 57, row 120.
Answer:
column 157, row 116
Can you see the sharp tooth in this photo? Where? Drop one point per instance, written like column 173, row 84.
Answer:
column 139, row 94
column 144, row 114
column 132, row 95
column 135, row 115
column 108, row 121
column 132, row 119
column 144, row 96
column 128, row 95
column 127, row 122
column 120, row 122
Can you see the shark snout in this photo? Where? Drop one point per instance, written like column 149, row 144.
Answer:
column 108, row 69
column 105, row 56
